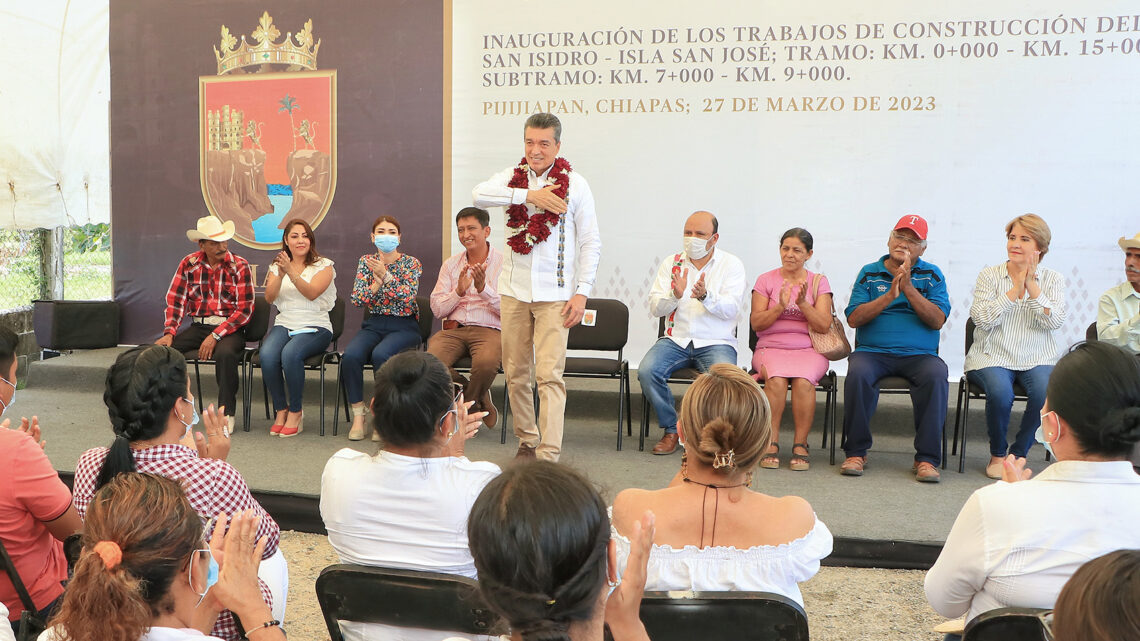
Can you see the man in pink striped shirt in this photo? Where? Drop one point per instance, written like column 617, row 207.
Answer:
column 466, row 299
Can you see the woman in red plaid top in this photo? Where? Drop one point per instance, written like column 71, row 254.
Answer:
column 153, row 415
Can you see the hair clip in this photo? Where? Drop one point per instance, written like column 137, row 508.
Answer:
column 551, row 602
column 110, row 552
column 724, row 459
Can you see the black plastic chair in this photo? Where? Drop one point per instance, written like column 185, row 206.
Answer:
column 722, row 615
column 1007, row 624
column 404, row 598
column 316, row 362
column 829, row 385
column 254, row 331
column 1091, row 333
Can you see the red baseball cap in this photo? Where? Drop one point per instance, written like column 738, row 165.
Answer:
column 916, row 224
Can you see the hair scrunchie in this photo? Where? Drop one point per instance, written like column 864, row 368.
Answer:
column 110, row 552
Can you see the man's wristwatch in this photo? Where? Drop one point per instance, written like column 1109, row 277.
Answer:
column 216, row 336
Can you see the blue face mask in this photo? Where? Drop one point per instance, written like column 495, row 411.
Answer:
column 386, row 243
column 194, row 420
column 1040, row 435
column 12, row 400
column 211, row 575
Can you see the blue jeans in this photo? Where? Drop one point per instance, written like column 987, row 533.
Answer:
column 381, row 337
column 664, row 358
column 283, row 363
column 998, row 384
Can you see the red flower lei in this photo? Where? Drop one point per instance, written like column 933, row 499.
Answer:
column 532, row 230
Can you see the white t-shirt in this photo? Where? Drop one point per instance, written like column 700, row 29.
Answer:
column 402, row 512
column 153, row 634
column 294, row 310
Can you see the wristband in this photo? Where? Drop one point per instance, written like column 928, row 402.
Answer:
column 268, row 624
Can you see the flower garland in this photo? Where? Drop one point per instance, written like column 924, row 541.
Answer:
column 534, row 229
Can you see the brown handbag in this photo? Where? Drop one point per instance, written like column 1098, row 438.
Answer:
column 832, row 344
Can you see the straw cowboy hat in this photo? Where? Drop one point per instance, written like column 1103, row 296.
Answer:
column 1129, row 243
column 210, row 228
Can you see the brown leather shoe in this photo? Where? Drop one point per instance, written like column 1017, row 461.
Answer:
column 485, row 405
column 667, row 445
column 925, row 472
column 525, row 452
column 853, row 466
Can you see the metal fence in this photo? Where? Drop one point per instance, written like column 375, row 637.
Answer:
column 86, row 265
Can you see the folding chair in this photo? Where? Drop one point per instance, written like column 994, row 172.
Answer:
column 254, row 331
column 403, row 598
column 1091, row 333
column 1007, row 624
column 722, row 615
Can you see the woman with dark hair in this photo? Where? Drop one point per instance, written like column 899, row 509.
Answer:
column 1016, row 542
column 1017, row 306
column 1101, row 602
column 750, row 541
column 540, row 538
column 407, row 506
column 386, row 285
column 147, row 574
column 153, row 415
column 300, row 283
column 785, row 303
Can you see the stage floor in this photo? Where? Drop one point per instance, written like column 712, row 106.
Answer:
column 885, row 504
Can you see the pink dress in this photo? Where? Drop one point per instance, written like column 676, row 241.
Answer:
column 784, row 348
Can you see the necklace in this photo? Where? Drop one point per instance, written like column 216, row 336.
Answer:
column 531, row 230
column 716, row 505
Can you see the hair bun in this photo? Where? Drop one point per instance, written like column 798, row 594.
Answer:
column 718, row 438
column 1122, row 426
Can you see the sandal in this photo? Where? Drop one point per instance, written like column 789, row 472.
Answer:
column 804, row 460
column 771, row 460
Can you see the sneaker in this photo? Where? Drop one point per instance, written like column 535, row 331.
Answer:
column 853, row 466
column 925, row 472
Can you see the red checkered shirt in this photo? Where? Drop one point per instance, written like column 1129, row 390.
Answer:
column 212, row 486
column 200, row 290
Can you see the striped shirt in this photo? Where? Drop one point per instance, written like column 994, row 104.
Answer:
column 474, row 307
column 1016, row 335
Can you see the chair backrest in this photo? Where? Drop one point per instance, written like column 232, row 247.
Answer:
column 1090, row 333
column 610, row 331
column 1006, row 624
column 404, row 598
column 336, row 317
column 733, row 615
column 970, row 327
column 427, row 317
column 259, row 322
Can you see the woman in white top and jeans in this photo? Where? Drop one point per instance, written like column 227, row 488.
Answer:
column 301, row 284
column 713, row 532
column 1017, row 306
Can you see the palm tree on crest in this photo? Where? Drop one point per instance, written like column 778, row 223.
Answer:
column 289, row 103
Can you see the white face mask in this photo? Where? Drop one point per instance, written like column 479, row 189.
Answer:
column 696, row 248
column 12, row 400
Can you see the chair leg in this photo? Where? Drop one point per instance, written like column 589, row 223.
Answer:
column 628, row 405
column 506, row 415
column 264, row 393
column 198, row 379
column 965, row 420
column 336, row 407
column 247, row 397
column 621, row 409
column 322, row 398
column 963, row 386
column 644, row 431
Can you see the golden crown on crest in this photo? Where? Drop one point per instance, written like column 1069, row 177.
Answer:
column 302, row 55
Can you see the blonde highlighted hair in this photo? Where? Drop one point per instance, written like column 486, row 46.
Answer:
column 1035, row 226
column 725, row 417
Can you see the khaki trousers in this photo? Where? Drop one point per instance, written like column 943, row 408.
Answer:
column 485, row 347
column 534, row 345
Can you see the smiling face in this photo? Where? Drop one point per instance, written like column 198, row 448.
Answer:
column 298, row 241
column 900, row 242
column 471, row 233
column 793, row 254
column 1020, row 245
column 540, row 147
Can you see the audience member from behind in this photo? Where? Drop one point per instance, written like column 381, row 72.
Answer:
column 750, row 541
column 153, row 415
column 407, row 506
column 1100, row 601
column 541, row 542
column 36, row 514
column 1118, row 314
column 147, row 574
column 1016, row 542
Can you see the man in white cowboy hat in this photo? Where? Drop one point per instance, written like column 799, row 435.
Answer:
column 214, row 289
column 1118, row 316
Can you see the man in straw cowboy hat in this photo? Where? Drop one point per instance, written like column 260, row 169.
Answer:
column 1118, row 315
column 214, row 289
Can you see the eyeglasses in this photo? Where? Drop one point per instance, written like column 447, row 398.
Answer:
column 903, row 238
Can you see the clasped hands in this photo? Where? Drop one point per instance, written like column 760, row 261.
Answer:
column 472, row 274
column 681, row 279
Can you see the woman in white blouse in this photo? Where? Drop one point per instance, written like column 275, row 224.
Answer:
column 1017, row 306
column 300, row 283
column 741, row 540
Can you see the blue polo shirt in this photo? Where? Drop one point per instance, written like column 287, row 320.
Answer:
column 898, row 329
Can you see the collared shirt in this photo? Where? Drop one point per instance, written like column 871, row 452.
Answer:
column 1016, row 335
column 1016, row 544
column 397, row 297
column 294, row 309
column 711, row 321
column 474, row 307
column 1118, row 317
column 898, row 329
column 576, row 242
column 200, row 290
column 212, row 487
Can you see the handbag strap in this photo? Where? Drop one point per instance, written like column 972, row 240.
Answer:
column 10, row 569
column 815, row 293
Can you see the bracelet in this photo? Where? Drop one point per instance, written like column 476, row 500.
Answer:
column 268, row 624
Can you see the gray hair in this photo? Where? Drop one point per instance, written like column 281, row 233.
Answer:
column 545, row 121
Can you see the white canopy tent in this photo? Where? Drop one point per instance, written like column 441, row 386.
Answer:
column 54, row 95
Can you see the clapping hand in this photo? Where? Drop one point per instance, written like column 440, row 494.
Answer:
column 801, row 295
column 623, row 608
column 479, row 276
column 465, row 280
column 215, row 443
column 680, row 281
column 699, row 290
column 1013, row 469
column 31, row 428
column 379, row 267
column 283, row 262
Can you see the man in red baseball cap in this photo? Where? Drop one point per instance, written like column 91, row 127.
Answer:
column 898, row 305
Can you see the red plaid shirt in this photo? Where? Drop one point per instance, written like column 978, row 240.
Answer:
column 199, row 290
column 212, row 486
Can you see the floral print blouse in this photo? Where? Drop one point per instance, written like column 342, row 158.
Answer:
column 395, row 298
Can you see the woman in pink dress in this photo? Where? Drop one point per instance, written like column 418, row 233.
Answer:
column 785, row 302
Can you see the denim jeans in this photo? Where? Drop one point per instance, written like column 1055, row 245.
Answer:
column 666, row 357
column 283, row 363
column 381, row 337
column 998, row 384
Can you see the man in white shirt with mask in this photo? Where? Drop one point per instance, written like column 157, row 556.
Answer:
column 700, row 292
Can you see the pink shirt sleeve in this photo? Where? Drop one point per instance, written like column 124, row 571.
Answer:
column 36, row 483
column 764, row 285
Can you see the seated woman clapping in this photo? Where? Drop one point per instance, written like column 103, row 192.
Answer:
column 713, row 532
column 146, row 572
column 1016, row 542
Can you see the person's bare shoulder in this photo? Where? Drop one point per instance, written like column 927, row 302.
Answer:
column 628, row 507
column 795, row 513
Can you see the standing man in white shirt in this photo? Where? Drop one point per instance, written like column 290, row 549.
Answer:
column 466, row 299
column 1118, row 315
column 699, row 292
column 549, row 267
